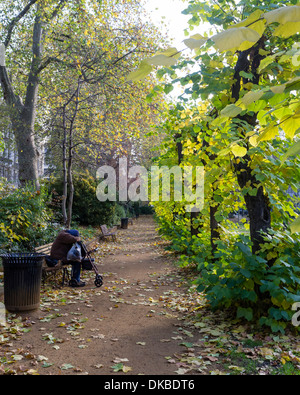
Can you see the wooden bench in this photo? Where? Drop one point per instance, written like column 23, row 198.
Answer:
column 107, row 233
column 47, row 271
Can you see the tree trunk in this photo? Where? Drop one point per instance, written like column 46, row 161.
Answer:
column 68, row 160
column 27, row 153
column 214, row 227
column 195, row 229
column 65, row 173
column 70, row 182
column 213, row 206
column 23, row 115
column 258, row 206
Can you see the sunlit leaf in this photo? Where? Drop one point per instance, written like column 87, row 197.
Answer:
column 239, row 38
column 238, row 150
column 268, row 133
column 259, row 27
column 295, row 226
column 251, row 97
column 231, row 111
column 195, row 41
column 294, row 150
column 293, row 84
column 167, row 57
column 288, row 29
column 265, row 63
column 283, row 15
column 253, row 140
column 290, row 124
column 142, row 72
column 255, row 16
column 162, row 60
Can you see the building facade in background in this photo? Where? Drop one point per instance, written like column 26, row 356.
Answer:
column 9, row 166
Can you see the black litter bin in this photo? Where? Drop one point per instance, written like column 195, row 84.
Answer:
column 22, row 281
column 124, row 223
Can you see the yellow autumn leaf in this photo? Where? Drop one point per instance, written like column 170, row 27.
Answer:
column 162, row 60
column 231, row 111
column 294, row 150
column 295, row 226
column 271, row 255
column 195, row 41
column 265, row 62
column 126, row 369
column 253, row 140
column 144, row 69
column 288, row 29
column 290, row 124
column 238, row 151
column 255, row 16
column 266, row 352
column 285, row 304
column 251, row 97
column 268, row 133
column 167, row 57
column 237, row 38
column 283, row 15
column 259, row 27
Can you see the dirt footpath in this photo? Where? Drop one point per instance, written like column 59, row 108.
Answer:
column 125, row 327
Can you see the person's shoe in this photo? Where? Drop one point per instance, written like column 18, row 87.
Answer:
column 75, row 283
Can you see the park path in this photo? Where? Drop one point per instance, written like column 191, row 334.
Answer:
column 125, row 327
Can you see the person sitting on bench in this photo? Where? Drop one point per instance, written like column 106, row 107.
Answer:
column 59, row 250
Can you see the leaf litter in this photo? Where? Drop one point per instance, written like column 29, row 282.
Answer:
column 209, row 343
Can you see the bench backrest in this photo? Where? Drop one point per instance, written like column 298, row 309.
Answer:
column 45, row 249
column 104, row 229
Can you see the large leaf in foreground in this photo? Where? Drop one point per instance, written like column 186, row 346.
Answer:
column 295, row 226
column 142, row 72
column 237, row 38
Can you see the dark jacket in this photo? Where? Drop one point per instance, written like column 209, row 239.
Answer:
column 62, row 245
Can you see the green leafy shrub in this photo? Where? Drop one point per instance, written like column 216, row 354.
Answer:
column 258, row 288
column 119, row 213
column 146, row 210
column 25, row 219
column 87, row 209
column 245, row 283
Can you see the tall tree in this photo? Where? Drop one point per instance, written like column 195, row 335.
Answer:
column 94, row 114
column 234, row 77
column 23, row 109
column 38, row 35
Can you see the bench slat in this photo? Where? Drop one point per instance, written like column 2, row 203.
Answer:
column 44, row 249
column 107, row 233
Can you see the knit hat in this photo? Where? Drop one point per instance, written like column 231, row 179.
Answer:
column 73, row 232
